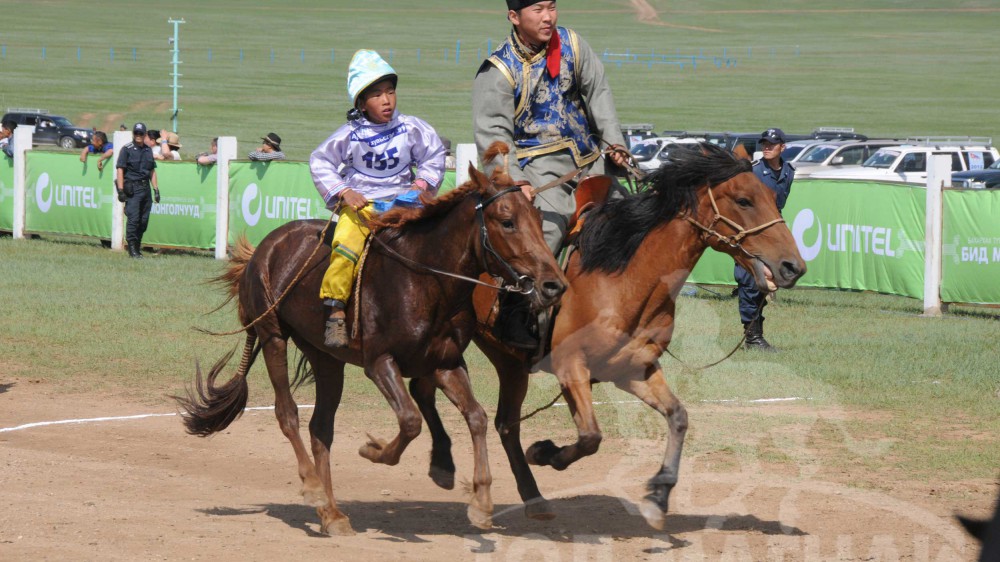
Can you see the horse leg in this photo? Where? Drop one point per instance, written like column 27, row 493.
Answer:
column 275, row 351
column 329, row 376
column 442, row 470
column 384, row 372
column 456, row 386
column 655, row 392
column 513, row 388
column 575, row 382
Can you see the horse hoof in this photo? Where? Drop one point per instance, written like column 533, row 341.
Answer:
column 479, row 518
column 653, row 515
column 541, row 452
column 372, row 450
column 340, row 527
column 539, row 510
column 443, row 478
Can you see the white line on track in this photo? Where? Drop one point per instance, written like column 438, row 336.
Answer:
column 143, row 416
column 116, row 418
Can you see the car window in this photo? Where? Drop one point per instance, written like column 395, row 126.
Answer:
column 817, row 154
column 881, row 159
column 977, row 160
column 31, row 120
column 644, row 150
column 45, row 123
column 853, row 156
column 790, row 152
column 62, row 122
column 912, row 162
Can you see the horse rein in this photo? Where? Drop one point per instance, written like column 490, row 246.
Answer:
column 523, row 284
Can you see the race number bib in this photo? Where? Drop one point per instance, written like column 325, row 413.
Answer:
column 381, row 155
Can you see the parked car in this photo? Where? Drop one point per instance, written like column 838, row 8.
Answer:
column 986, row 178
column 830, row 155
column 51, row 129
column 794, row 149
column 653, row 152
column 908, row 163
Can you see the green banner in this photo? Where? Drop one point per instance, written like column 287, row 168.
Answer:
column 266, row 195
column 448, row 182
column 6, row 193
column 66, row 196
column 185, row 215
column 853, row 235
column 970, row 257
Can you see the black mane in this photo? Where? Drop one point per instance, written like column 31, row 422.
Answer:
column 613, row 232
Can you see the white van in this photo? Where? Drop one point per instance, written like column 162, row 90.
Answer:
column 908, row 163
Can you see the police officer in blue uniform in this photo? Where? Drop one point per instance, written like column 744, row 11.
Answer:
column 776, row 174
column 136, row 171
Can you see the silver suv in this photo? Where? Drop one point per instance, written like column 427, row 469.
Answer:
column 908, row 163
column 830, row 155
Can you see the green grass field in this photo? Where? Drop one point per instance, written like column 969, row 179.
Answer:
column 885, row 67
column 90, row 320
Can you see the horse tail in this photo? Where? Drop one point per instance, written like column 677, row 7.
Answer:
column 230, row 278
column 209, row 408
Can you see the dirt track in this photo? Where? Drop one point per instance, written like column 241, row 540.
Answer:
column 142, row 490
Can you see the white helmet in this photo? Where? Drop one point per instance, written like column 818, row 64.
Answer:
column 367, row 68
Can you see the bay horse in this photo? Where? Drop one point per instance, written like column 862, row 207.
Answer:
column 617, row 317
column 414, row 322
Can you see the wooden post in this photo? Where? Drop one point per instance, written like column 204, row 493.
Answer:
column 227, row 152
column 938, row 175
column 23, row 137
column 465, row 154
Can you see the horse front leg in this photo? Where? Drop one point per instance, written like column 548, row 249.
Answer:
column 513, row 388
column 655, row 392
column 456, row 386
column 442, row 469
column 385, row 373
column 575, row 381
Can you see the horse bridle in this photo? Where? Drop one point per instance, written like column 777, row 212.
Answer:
column 741, row 233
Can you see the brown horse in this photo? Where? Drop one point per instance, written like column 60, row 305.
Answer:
column 416, row 319
column 617, row 317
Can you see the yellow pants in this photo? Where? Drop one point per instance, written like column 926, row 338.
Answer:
column 348, row 242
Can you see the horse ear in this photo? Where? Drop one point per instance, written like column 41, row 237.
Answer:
column 740, row 152
column 477, row 177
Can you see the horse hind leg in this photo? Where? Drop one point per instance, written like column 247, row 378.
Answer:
column 457, row 387
column 329, row 376
column 287, row 413
column 655, row 392
column 442, row 468
column 387, row 377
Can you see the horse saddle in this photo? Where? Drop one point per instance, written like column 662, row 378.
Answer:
column 590, row 192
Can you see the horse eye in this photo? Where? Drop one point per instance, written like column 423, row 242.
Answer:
column 744, row 202
column 507, row 224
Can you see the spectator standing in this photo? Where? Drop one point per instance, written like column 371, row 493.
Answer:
column 777, row 175
column 210, row 157
column 136, row 169
column 99, row 145
column 543, row 92
column 449, row 154
column 6, row 138
column 370, row 158
column 270, row 149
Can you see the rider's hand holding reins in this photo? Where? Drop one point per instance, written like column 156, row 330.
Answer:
column 353, row 198
column 527, row 190
column 619, row 155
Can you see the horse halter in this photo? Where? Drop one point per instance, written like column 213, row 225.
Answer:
column 523, row 284
column 741, row 233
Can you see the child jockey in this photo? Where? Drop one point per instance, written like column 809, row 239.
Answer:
column 369, row 159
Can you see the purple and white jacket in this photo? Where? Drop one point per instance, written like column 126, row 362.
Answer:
column 377, row 161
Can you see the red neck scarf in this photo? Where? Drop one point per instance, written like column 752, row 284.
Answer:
column 552, row 57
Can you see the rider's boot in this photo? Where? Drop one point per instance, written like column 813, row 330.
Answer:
column 516, row 325
column 335, row 335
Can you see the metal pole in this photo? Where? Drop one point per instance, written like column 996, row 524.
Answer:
column 175, row 41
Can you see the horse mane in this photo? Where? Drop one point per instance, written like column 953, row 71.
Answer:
column 434, row 207
column 614, row 231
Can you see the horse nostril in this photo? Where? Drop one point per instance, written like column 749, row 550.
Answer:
column 791, row 270
column 553, row 289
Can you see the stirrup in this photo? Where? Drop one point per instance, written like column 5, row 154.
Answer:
column 335, row 335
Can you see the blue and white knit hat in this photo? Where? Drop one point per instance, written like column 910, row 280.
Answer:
column 367, row 68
